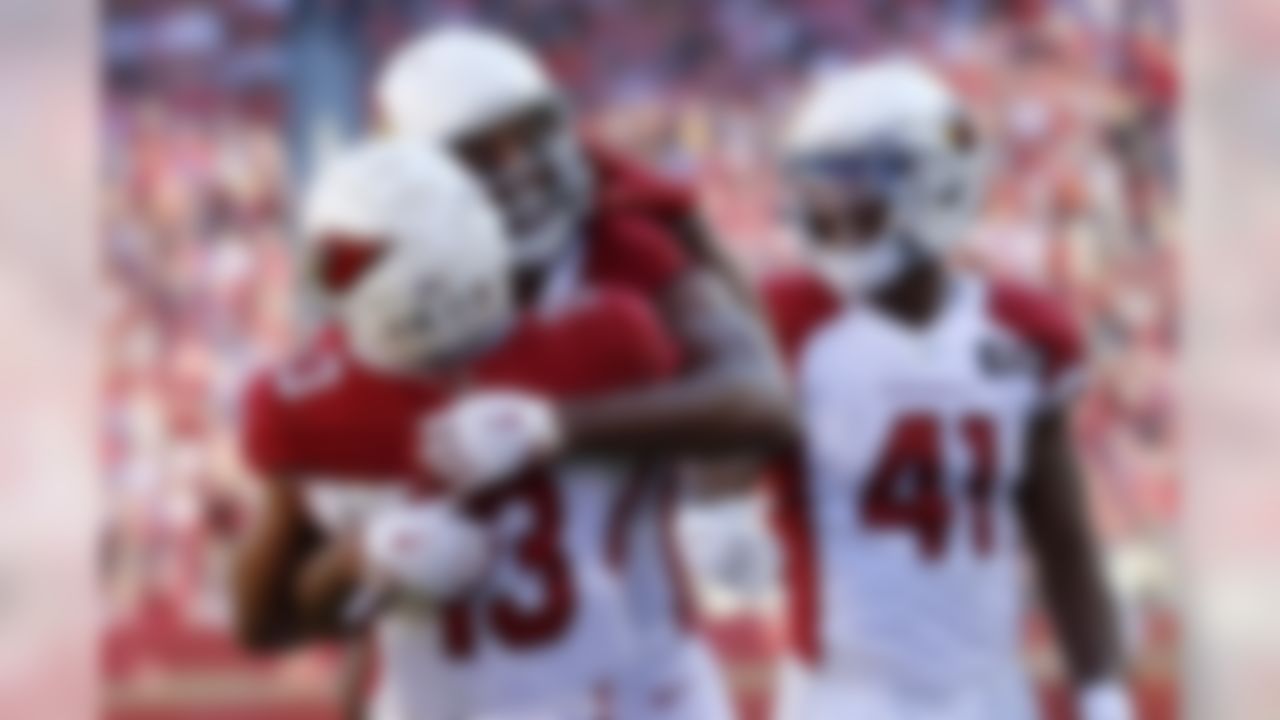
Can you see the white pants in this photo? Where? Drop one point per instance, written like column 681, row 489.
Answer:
column 675, row 681
column 804, row 694
column 588, row 707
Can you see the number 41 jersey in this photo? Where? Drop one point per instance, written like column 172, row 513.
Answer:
column 898, row 515
column 549, row 623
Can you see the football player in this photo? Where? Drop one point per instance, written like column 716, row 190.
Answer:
column 935, row 408
column 493, row 597
column 582, row 219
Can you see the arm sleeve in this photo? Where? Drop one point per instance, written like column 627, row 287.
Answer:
column 264, row 437
column 641, row 350
column 796, row 304
column 636, row 254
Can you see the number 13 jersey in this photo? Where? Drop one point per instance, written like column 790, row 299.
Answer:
column 898, row 514
column 549, row 624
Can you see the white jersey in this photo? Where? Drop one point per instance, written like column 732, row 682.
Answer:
column 899, row 513
column 543, row 637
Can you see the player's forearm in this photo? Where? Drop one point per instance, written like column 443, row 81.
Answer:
column 729, row 477
column 282, row 605
column 263, row 618
column 1084, row 617
column 732, row 397
column 1057, row 527
column 290, row 584
column 324, row 587
column 1081, row 608
column 743, row 409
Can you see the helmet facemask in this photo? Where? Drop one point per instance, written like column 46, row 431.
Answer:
column 849, row 211
column 489, row 99
column 886, row 139
column 536, row 172
column 870, row 213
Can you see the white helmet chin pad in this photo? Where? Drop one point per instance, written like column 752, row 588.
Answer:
column 854, row 273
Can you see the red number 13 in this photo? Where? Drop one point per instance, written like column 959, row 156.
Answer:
column 538, row 553
column 905, row 490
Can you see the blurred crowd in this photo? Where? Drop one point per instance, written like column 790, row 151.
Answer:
column 1077, row 99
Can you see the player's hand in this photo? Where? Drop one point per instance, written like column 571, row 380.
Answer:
column 427, row 550
column 487, row 437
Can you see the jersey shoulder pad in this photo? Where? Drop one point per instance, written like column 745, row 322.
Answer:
column 797, row 304
column 1045, row 325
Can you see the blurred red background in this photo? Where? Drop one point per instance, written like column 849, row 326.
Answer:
column 211, row 109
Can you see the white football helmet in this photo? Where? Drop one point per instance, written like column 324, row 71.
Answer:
column 410, row 253
column 487, row 98
column 885, row 169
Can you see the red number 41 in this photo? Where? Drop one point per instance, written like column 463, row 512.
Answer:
column 906, row 492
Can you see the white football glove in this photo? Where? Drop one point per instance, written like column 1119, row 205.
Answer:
column 729, row 544
column 429, row 550
column 486, row 437
column 1105, row 700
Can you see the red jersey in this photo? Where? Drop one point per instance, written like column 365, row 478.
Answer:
column 628, row 239
column 548, row 623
